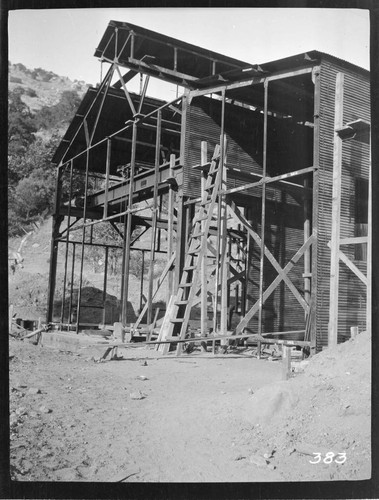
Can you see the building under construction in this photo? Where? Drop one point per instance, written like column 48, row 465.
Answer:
column 253, row 184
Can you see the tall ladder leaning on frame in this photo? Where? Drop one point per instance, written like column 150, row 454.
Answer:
column 178, row 312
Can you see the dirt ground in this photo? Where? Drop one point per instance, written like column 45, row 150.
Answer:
column 201, row 418
column 197, row 418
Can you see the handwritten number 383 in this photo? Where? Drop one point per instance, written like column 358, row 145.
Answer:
column 328, row 459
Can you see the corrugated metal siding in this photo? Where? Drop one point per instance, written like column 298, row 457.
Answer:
column 281, row 311
column 204, row 124
column 355, row 163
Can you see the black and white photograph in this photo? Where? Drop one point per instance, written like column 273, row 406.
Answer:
column 189, row 246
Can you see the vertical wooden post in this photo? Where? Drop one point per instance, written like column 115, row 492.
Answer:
column 180, row 223
column 107, row 171
column 67, row 242
column 369, row 248
column 219, row 242
column 307, row 253
column 224, row 252
column 10, row 318
column 263, row 217
column 57, row 219
column 72, row 283
column 354, row 330
column 336, row 213
column 128, row 230
column 141, row 284
column 204, row 281
column 315, row 203
column 105, row 284
column 170, row 228
column 83, row 243
column 154, row 222
column 286, row 362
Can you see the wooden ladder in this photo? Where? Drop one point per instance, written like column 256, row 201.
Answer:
column 178, row 313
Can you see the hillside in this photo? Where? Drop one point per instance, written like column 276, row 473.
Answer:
column 42, row 88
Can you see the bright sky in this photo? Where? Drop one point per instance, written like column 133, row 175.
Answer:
column 64, row 40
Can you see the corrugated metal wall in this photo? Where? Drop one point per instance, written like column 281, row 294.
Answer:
column 355, row 164
column 281, row 311
column 204, row 124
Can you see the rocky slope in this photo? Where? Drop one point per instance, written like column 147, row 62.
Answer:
column 42, row 88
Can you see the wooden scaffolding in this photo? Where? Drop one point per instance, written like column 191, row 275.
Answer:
column 228, row 181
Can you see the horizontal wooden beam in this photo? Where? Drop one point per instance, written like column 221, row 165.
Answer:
column 253, row 336
column 248, row 83
column 357, row 240
column 268, row 180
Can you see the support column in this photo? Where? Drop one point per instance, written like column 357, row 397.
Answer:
column 180, row 223
column 204, row 281
column 170, row 229
column 107, row 171
column 67, row 241
column 336, row 213
column 307, row 253
column 315, row 203
column 83, row 245
column 128, row 230
column 263, row 216
column 224, row 253
column 57, row 220
column 154, row 222
column 369, row 249
column 220, row 245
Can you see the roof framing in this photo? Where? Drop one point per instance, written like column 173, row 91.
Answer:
column 145, row 51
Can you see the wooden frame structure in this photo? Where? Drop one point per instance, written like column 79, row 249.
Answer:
column 236, row 172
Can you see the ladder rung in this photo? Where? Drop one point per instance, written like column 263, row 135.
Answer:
column 181, row 302
column 194, row 250
column 206, row 202
column 211, row 186
column 189, row 268
column 197, row 235
column 185, row 285
column 176, row 320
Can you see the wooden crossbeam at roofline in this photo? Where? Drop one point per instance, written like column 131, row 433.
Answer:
column 153, row 70
column 248, row 83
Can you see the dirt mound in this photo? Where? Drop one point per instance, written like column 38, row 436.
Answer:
column 326, row 409
column 92, row 307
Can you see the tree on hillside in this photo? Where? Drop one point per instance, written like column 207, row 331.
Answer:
column 21, row 124
column 37, row 155
column 31, row 185
column 62, row 112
